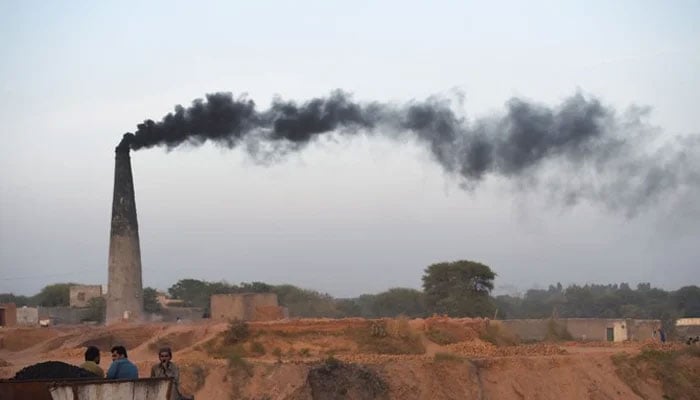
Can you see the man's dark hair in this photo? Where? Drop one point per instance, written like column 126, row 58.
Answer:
column 165, row 350
column 92, row 353
column 121, row 350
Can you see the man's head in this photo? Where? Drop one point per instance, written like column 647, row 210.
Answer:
column 118, row 352
column 165, row 354
column 92, row 353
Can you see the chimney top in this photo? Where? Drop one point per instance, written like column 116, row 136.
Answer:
column 122, row 149
column 125, row 144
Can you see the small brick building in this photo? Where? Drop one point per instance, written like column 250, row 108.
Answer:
column 80, row 295
column 246, row 307
column 8, row 314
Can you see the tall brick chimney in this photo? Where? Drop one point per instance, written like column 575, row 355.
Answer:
column 125, row 288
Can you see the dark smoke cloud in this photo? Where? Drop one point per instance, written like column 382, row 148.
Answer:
column 595, row 153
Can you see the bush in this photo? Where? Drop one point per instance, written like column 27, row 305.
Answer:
column 277, row 352
column 257, row 348
column 96, row 310
column 236, row 363
column 237, row 332
column 378, row 329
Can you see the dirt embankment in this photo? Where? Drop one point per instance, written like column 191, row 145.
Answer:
column 435, row 358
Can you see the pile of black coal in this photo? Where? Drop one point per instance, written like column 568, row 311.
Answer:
column 334, row 379
column 53, row 370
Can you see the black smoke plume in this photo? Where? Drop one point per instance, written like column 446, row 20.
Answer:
column 580, row 149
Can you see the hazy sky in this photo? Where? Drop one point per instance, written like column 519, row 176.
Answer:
column 343, row 216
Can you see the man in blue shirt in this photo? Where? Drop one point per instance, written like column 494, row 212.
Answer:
column 121, row 367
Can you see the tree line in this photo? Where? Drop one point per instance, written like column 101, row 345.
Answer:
column 457, row 289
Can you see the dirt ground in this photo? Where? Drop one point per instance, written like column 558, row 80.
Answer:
column 435, row 358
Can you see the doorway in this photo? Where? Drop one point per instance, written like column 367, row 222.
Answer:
column 610, row 334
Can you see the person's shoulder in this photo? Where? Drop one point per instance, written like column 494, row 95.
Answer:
column 98, row 371
column 93, row 367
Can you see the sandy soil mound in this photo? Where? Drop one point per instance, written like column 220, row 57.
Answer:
column 127, row 336
column 17, row 339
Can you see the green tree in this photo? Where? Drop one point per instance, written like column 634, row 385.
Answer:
column 508, row 306
column 150, row 301
column 348, row 308
column 96, row 309
column 56, row 295
column 686, row 301
column 459, row 289
column 255, row 287
column 306, row 303
column 604, row 301
column 195, row 293
column 190, row 291
column 19, row 300
column 399, row 301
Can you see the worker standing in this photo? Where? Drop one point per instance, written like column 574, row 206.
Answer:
column 166, row 368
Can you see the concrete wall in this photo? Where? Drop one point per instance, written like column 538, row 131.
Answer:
column 166, row 301
column 583, row 328
column 688, row 322
column 620, row 330
column 144, row 389
column 28, row 316
column 80, row 295
column 526, row 329
column 186, row 314
column 642, row 329
column 246, row 307
column 686, row 331
column 64, row 315
column 688, row 327
column 8, row 314
column 592, row 328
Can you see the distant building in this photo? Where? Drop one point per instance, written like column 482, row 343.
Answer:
column 8, row 314
column 165, row 301
column 688, row 327
column 28, row 316
column 80, row 295
column 246, row 307
column 172, row 310
column 597, row 329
